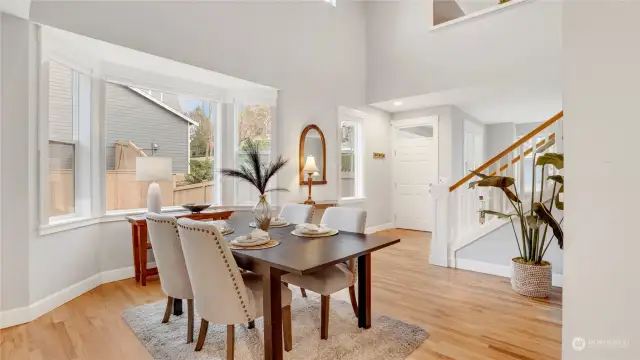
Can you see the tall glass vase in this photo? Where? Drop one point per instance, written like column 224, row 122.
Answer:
column 262, row 213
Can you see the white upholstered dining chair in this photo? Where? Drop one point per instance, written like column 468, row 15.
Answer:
column 338, row 277
column 223, row 294
column 172, row 269
column 297, row 213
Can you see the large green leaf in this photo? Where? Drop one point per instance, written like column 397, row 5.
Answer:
column 533, row 222
column 559, row 203
column 545, row 215
column 557, row 160
column 557, row 178
column 501, row 182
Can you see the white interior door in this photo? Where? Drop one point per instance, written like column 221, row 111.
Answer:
column 415, row 169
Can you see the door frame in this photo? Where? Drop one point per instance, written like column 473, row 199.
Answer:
column 432, row 120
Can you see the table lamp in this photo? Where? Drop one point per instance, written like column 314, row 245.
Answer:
column 154, row 168
column 310, row 168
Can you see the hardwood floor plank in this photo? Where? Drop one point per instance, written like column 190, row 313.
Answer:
column 470, row 316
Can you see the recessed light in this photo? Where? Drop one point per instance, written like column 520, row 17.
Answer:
column 397, row 103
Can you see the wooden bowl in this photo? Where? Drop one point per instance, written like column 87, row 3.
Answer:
column 196, row 208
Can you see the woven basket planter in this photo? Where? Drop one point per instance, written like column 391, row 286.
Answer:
column 531, row 280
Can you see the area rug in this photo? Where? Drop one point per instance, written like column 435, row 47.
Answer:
column 387, row 339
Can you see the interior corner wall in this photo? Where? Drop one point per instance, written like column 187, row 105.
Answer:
column 14, row 162
column 600, row 96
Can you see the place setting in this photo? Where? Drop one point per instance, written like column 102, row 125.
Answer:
column 222, row 226
column 313, row 230
column 276, row 222
column 257, row 239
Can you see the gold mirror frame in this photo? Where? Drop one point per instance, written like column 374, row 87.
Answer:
column 303, row 137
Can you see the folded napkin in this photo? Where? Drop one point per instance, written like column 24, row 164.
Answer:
column 278, row 220
column 256, row 236
column 312, row 228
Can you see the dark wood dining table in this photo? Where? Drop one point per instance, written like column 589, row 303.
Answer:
column 300, row 255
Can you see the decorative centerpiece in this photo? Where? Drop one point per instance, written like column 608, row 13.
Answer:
column 258, row 174
column 530, row 273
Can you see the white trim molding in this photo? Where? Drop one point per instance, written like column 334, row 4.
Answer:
column 29, row 313
column 381, row 227
column 497, row 269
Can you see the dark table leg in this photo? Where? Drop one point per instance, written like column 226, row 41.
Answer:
column 142, row 250
column 364, row 291
column 272, row 310
column 177, row 307
column 136, row 251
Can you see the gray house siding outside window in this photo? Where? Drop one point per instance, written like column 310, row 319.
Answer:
column 132, row 117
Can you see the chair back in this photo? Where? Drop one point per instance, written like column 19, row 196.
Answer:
column 167, row 250
column 220, row 293
column 345, row 219
column 297, row 213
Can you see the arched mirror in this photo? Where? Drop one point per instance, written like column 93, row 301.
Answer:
column 313, row 155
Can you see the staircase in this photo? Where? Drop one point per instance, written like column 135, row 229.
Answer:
column 457, row 220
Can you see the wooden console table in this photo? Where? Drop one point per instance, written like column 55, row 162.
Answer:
column 141, row 245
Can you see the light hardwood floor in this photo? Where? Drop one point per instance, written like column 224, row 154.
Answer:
column 469, row 316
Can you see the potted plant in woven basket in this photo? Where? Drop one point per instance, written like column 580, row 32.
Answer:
column 257, row 173
column 530, row 273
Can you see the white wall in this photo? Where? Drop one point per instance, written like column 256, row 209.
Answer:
column 601, row 77
column 16, row 7
column 499, row 137
column 377, row 172
column 17, row 227
column 405, row 58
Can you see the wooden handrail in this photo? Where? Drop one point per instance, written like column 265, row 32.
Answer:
column 505, row 152
column 540, row 143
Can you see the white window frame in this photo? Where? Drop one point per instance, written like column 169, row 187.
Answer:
column 353, row 118
column 82, row 123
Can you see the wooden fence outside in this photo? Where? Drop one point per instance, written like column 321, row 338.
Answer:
column 124, row 192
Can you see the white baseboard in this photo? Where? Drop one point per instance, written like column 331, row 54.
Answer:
column 381, row 227
column 29, row 313
column 496, row 269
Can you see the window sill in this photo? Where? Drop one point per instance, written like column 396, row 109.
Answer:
column 66, row 225
column 352, row 200
column 114, row 216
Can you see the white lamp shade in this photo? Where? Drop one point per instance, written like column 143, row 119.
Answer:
column 310, row 166
column 153, row 168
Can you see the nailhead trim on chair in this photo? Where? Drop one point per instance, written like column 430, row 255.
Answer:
column 224, row 257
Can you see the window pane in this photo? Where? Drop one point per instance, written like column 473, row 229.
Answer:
column 254, row 122
column 63, row 117
column 61, row 178
column 141, row 122
column 348, row 163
